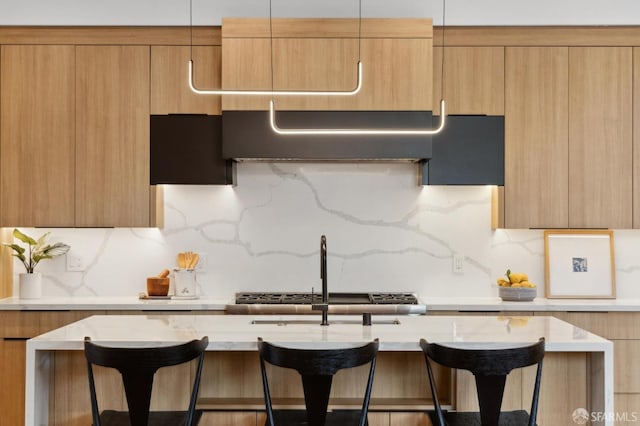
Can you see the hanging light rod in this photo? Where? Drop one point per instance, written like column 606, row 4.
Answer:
column 276, row 92
column 281, row 131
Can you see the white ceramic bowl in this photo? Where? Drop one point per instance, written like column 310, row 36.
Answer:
column 517, row 294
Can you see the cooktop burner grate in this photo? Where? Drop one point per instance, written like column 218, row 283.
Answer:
column 260, row 298
column 246, row 298
column 393, row 298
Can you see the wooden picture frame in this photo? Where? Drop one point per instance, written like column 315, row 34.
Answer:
column 579, row 264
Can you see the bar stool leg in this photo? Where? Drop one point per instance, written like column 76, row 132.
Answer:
column 316, row 397
column 490, row 393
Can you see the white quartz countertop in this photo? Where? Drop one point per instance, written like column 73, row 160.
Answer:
column 471, row 304
column 238, row 332
column 539, row 304
column 107, row 303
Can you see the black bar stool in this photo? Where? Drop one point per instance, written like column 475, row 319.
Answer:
column 317, row 368
column 490, row 368
column 137, row 367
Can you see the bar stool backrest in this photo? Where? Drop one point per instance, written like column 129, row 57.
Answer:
column 317, row 367
column 490, row 368
column 137, row 367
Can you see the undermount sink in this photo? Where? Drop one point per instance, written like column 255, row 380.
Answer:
column 297, row 321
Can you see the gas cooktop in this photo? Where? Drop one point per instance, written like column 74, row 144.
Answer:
column 250, row 298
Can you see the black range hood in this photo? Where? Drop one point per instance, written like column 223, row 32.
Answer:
column 187, row 149
column 247, row 136
column 468, row 151
column 201, row 149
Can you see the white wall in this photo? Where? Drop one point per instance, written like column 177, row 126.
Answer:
column 210, row 12
column 384, row 234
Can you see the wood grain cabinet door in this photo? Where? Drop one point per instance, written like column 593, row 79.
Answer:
column 12, row 356
column 473, row 79
column 170, row 92
column 600, row 137
column 112, row 134
column 37, row 135
column 636, row 136
column 536, row 137
column 322, row 54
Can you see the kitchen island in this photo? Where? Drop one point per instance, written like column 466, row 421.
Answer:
column 239, row 333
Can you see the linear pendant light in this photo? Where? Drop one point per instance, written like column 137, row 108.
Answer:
column 345, row 131
column 276, row 92
column 409, row 132
column 272, row 92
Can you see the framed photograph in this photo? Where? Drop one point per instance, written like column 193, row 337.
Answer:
column 579, row 264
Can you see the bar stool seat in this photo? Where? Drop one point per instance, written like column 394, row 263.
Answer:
column 490, row 368
column 138, row 367
column 317, row 368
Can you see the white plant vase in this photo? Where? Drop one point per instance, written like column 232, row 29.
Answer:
column 30, row 285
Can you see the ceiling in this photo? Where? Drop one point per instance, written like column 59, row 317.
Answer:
column 209, row 12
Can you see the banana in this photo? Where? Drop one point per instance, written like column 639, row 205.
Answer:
column 503, row 283
column 515, row 279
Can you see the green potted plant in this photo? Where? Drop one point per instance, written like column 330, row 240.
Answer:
column 30, row 283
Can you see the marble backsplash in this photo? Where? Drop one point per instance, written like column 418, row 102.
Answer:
column 384, row 233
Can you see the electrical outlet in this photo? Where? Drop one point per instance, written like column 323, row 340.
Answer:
column 458, row 263
column 75, row 263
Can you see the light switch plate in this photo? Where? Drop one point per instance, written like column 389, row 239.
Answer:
column 458, row 263
column 75, row 262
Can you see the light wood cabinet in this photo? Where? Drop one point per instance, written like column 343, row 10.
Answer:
column 473, row 79
column 600, row 137
column 37, row 136
column 563, row 388
column 623, row 329
column 170, row 92
column 627, row 407
column 112, row 136
column 568, row 137
column 413, row 419
column 231, row 418
column 536, row 193
column 636, row 135
column 15, row 328
column 71, row 401
column 12, row 357
column 317, row 54
column 74, row 137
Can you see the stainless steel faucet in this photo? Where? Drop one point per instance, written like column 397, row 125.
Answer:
column 324, row 306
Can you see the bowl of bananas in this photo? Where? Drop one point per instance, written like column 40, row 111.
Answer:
column 516, row 288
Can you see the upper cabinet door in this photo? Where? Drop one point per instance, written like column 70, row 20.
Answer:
column 322, row 54
column 170, row 92
column 112, row 130
column 636, row 136
column 38, row 136
column 473, row 79
column 600, row 137
column 536, row 137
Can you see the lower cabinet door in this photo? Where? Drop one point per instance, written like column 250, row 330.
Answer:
column 12, row 359
column 232, row 418
column 563, row 388
column 413, row 419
